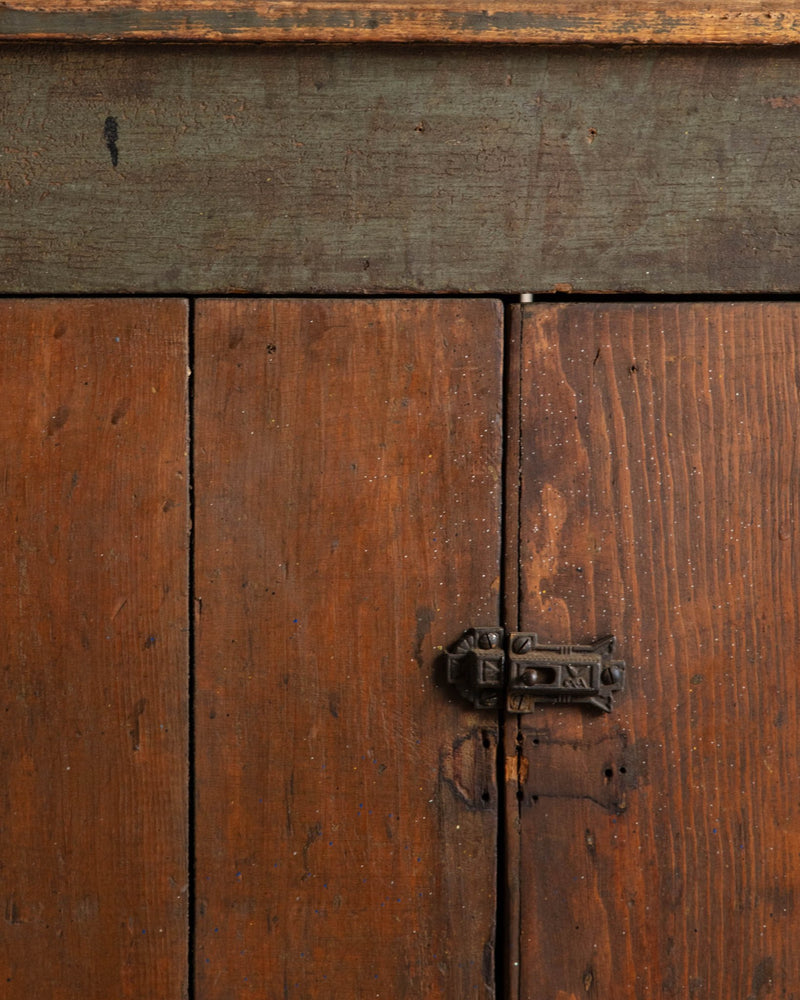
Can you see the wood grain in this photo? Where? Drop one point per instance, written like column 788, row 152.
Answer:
column 660, row 503
column 555, row 21
column 93, row 574
column 341, row 170
column 348, row 525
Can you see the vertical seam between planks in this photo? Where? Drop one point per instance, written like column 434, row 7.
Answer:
column 191, row 774
column 501, row 854
column 505, row 980
column 517, row 617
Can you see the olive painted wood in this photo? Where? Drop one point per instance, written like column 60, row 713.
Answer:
column 370, row 170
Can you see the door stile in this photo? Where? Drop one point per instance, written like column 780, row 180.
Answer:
column 349, row 520
column 659, row 504
column 93, row 601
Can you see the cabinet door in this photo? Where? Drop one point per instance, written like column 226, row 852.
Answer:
column 93, row 604
column 347, row 471
column 659, row 846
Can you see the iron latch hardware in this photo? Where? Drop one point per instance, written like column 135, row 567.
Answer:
column 486, row 665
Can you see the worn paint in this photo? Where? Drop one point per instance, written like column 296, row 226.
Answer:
column 687, row 186
column 738, row 23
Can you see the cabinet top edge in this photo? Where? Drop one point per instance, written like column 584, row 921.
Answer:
column 738, row 22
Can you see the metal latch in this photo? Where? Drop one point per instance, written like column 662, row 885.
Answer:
column 485, row 665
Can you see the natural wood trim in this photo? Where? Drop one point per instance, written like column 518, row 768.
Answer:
column 553, row 21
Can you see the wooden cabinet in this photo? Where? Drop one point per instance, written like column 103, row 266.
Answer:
column 346, row 485
column 243, row 521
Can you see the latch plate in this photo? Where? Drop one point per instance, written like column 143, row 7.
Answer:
column 484, row 664
column 475, row 664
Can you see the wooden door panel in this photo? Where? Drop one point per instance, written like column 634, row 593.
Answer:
column 93, row 602
column 348, row 459
column 660, row 845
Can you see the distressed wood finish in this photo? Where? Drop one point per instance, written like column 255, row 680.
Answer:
column 348, row 504
column 556, row 21
column 93, row 574
column 660, row 502
column 304, row 170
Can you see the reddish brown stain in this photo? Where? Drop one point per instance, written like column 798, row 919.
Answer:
column 783, row 102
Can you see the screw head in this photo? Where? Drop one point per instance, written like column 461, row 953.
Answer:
column 522, row 644
column 489, row 640
column 611, row 675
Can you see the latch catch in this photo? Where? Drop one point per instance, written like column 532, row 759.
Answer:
column 485, row 664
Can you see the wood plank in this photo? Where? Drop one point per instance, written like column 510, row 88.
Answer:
column 297, row 170
column 660, row 502
column 348, row 463
column 553, row 21
column 93, row 602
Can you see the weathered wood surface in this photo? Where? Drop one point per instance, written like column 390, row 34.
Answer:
column 660, row 502
column 410, row 169
column 348, row 525
column 93, row 573
column 600, row 21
